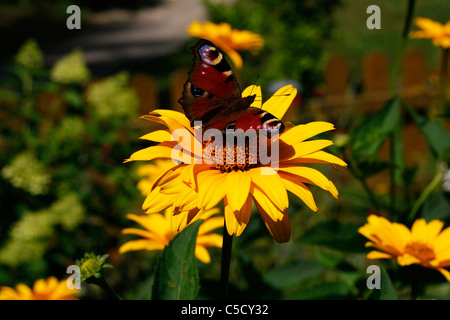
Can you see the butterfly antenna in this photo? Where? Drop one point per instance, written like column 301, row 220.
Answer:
column 275, row 95
column 256, row 80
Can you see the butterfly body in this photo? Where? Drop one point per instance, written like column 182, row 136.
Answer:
column 212, row 95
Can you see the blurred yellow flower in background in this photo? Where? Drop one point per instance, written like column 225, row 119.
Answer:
column 228, row 39
column 43, row 289
column 424, row 244
column 433, row 30
column 150, row 172
column 159, row 231
column 194, row 185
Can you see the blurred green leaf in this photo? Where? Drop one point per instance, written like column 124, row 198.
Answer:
column 7, row 95
column 336, row 235
column 73, row 97
column 386, row 292
column 369, row 136
column 176, row 275
column 288, row 275
column 324, row 290
column 436, row 206
column 369, row 167
column 437, row 138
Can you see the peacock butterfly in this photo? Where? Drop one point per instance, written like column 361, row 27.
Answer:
column 212, row 95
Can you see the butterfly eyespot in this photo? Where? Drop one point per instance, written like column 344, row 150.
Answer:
column 210, row 55
column 231, row 126
column 196, row 91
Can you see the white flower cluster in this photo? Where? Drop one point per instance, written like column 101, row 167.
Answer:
column 27, row 173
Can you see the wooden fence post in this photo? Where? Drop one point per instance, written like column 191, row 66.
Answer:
column 177, row 80
column 375, row 77
column 146, row 90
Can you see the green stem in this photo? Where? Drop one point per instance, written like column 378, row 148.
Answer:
column 102, row 283
column 425, row 193
column 227, row 245
column 443, row 80
column 395, row 143
column 353, row 167
column 416, row 284
column 402, row 44
column 392, row 173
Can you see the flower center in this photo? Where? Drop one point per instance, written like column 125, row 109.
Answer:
column 420, row 251
column 233, row 157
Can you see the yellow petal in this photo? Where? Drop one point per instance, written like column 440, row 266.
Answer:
column 156, row 201
column 210, row 240
column 206, row 214
column 142, row 244
column 378, row 255
column 234, row 56
column 279, row 229
column 316, row 157
column 238, row 188
column 294, row 185
column 209, row 225
column 407, row 259
column 305, row 131
column 158, row 136
column 181, row 219
column 445, row 273
column 212, row 188
column 156, row 224
column 195, row 29
column 280, row 101
column 173, row 119
column 161, row 151
column 202, row 254
column 312, row 176
column 186, row 198
column 442, row 243
column 251, row 90
column 387, row 236
column 138, row 232
column 301, row 149
column 434, row 227
column 265, row 202
column 272, row 185
column 236, row 221
column 419, row 230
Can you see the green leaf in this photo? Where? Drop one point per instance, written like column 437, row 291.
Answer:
column 386, row 291
column 437, row 138
column 336, row 235
column 369, row 167
column 369, row 136
column 324, row 290
column 9, row 96
column 286, row 276
column 73, row 97
column 176, row 275
column 436, row 206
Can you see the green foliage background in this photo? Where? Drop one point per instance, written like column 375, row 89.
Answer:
column 64, row 191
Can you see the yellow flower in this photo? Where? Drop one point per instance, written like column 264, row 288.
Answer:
column 159, row 231
column 433, row 30
column 150, row 172
column 228, row 39
column 50, row 289
column 424, row 244
column 195, row 184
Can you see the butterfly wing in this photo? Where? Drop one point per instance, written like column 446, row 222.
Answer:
column 254, row 118
column 212, row 93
